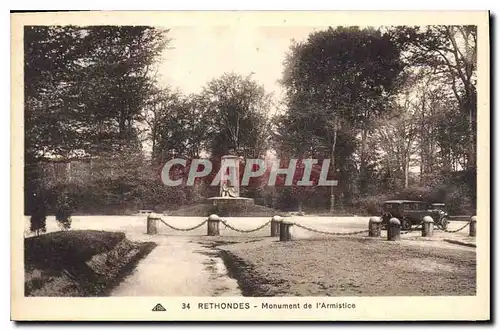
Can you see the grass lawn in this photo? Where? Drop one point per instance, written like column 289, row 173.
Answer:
column 59, row 250
column 349, row 267
column 78, row 263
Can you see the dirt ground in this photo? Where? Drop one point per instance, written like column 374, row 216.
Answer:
column 349, row 267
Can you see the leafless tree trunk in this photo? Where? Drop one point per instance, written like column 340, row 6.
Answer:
column 333, row 165
column 362, row 165
column 407, row 168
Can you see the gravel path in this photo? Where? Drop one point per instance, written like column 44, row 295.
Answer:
column 178, row 267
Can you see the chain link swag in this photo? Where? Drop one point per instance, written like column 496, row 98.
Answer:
column 183, row 229
column 453, row 231
column 330, row 233
column 244, row 231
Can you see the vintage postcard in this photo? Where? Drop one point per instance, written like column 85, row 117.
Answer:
column 251, row 166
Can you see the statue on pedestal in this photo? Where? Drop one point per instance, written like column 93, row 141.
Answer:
column 229, row 184
column 229, row 189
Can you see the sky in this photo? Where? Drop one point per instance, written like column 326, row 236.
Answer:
column 202, row 53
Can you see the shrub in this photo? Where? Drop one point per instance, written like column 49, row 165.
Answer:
column 63, row 212
column 369, row 205
column 38, row 220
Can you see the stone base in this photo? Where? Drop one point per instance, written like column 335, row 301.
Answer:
column 223, row 201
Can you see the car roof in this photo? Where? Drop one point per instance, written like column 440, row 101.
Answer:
column 403, row 201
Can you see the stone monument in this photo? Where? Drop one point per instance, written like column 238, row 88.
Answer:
column 229, row 191
column 230, row 175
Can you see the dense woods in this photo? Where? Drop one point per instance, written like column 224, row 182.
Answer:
column 393, row 108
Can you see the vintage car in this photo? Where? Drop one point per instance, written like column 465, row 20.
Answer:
column 411, row 213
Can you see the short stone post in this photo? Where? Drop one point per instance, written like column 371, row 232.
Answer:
column 374, row 226
column 394, row 229
column 152, row 224
column 213, row 225
column 472, row 226
column 427, row 226
column 285, row 230
column 275, row 225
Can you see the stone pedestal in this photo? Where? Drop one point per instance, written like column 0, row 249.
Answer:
column 275, row 225
column 394, row 229
column 226, row 202
column 427, row 226
column 229, row 201
column 374, row 227
column 472, row 226
column 213, row 225
column 152, row 225
column 285, row 230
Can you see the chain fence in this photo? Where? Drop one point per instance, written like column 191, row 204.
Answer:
column 439, row 226
column 226, row 224
column 330, row 232
column 324, row 232
column 453, row 231
column 183, row 229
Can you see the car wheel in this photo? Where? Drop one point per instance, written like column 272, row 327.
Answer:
column 444, row 223
column 385, row 220
column 405, row 224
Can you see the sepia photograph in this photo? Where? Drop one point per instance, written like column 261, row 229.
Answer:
column 251, row 162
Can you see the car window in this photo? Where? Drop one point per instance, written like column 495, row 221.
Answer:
column 406, row 206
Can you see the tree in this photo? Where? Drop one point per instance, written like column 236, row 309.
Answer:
column 155, row 113
column 336, row 83
column 38, row 215
column 178, row 126
column 85, row 85
column 451, row 51
column 397, row 136
column 63, row 211
column 120, row 80
column 237, row 109
column 84, row 90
